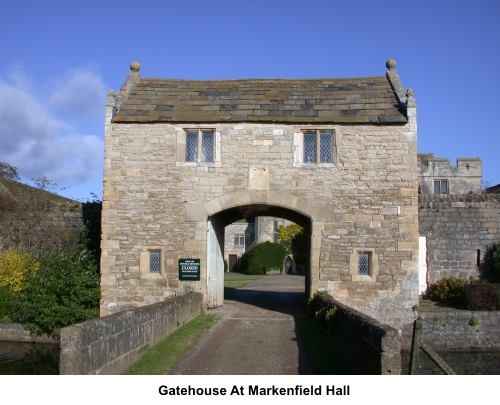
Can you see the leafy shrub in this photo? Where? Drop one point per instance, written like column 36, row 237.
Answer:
column 262, row 257
column 294, row 239
column 91, row 235
column 15, row 267
column 65, row 291
column 288, row 233
column 321, row 309
column 5, row 302
column 318, row 301
column 481, row 296
column 450, row 291
column 473, row 321
column 496, row 260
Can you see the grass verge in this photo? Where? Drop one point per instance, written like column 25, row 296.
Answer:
column 238, row 280
column 322, row 355
column 162, row 357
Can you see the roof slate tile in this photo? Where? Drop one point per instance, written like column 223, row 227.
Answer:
column 362, row 100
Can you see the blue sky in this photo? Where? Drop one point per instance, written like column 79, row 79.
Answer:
column 59, row 58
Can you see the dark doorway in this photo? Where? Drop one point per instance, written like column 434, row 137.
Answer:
column 233, row 262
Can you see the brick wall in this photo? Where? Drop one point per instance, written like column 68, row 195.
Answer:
column 456, row 227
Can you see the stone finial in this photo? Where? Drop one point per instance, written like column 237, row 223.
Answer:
column 111, row 93
column 410, row 98
column 135, row 67
column 390, row 64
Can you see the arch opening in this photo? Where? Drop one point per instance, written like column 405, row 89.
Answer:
column 216, row 242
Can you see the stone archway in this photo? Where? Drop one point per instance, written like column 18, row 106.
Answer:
column 231, row 207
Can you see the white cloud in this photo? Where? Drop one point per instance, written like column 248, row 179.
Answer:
column 79, row 95
column 39, row 140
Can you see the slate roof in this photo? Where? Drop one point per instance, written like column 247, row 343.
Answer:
column 369, row 100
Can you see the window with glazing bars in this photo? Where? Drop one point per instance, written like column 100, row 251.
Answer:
column 239, row 239
column 440, row 186
column 200, row 145
column 154, row 261
column 309, row 147
column 275, row 232
column 318, row 146
column 207, row 146
column 191, row 145
column 364, row 263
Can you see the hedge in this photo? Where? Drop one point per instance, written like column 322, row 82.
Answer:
column 262, row 257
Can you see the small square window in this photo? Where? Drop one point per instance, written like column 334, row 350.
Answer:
column 275, row 231
column 440, row 186
column 239, row 239
column 200, row 145
column 364, row 263
column 318, row 146
column 154, row 261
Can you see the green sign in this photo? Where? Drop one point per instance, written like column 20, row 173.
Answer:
column 189, row 269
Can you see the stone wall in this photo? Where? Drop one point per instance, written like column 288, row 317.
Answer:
column 451, row 330
column 110, row 345
column 33, row 219
column 458, row 228
column 237, row 228
column 15, row 332
column 265, row 228
column 369, row 346
column 463, row 178
column 365, row 200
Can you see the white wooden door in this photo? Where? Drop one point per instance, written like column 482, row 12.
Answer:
column 215, row 268
column 422, row 264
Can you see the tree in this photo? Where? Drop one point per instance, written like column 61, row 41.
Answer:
column 292, row 237
column 9, row 172
column 287, row 233
column 43, row 183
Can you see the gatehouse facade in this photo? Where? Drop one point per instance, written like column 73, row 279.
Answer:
column 185, row 158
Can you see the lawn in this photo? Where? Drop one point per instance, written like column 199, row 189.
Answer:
column 163, row 356
column 238, row 280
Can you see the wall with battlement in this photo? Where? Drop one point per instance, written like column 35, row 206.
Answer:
column 463, row 178
column 458, row 228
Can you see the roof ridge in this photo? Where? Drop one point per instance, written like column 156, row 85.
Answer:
column 264, row 79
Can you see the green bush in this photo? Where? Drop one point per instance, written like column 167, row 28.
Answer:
column 261, row 257
column 65, row 291
column 294, row 239
column 496, row 261
column 15, row 267
column 322, row 309
column 450, row 291
column 481, row 296
column 5, row 302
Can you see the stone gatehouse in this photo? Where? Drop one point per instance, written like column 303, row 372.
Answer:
column 185, row 158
